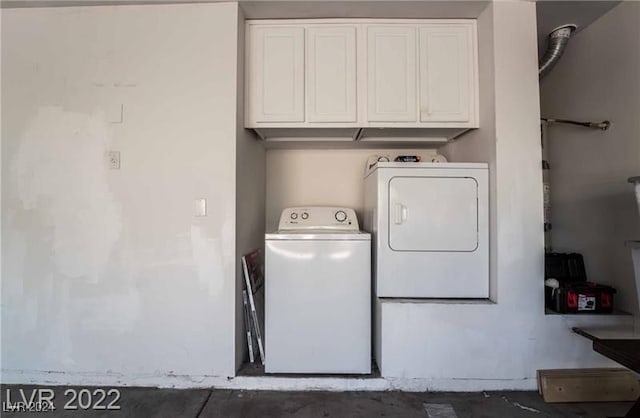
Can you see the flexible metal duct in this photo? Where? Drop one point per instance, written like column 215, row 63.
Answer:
column 558, row 39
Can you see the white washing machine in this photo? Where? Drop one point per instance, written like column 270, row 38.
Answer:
column 318, row 293
column 430, row 223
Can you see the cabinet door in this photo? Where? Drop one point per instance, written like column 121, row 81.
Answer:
column 331, row 74
column 433, row 214
column 446, row 73
column 276, row 74
column 391, row 74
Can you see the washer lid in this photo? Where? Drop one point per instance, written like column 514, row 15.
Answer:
column 318, row 235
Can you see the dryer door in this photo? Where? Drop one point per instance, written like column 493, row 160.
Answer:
column 433, row 214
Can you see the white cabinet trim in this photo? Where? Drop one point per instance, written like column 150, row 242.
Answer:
column 431, row 78
column 402, row 65
column 277, row 89
column 306, row 117
column 340, row 102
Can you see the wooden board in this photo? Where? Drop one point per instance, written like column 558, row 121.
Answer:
column 588, row 385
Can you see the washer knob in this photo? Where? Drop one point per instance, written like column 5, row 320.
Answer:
column 341, row 216
column 305, row 215
column 294, row 215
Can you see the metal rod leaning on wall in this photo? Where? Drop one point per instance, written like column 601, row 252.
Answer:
column 603, row 126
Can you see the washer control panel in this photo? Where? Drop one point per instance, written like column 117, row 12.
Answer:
column 318, row 217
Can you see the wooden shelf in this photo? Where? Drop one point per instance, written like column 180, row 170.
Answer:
column 607, row 333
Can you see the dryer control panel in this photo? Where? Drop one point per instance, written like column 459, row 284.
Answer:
column 318, row 217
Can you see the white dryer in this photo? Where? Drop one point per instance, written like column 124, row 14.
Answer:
column 318, row 293
column 430, row 223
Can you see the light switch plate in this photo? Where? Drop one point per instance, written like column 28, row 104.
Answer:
column 200, row 207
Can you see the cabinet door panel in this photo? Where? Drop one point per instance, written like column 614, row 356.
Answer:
column 276, row 74
column 446, row 73
column 391, row 74
column 331, row 74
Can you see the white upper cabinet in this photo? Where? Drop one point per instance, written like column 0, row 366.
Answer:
column 331, row 73
column 446, row 73
column 361, row 73
column 391, row 73
column 275, row 74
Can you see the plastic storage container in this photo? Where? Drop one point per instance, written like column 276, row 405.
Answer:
column 564, row 267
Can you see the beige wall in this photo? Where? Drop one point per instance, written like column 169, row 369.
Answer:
column 480, row 345
column 108, row 272
column 479, row 145
column 250, row 196
column 306, row 177
column 593, row 207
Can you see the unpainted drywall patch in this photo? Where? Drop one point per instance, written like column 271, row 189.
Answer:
column 61, row 173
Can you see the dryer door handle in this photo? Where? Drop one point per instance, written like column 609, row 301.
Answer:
column 400, row 213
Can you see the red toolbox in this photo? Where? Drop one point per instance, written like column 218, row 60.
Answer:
column 581, row 297
column 570, row 292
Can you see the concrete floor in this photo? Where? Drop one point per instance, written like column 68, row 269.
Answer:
column 172, row 403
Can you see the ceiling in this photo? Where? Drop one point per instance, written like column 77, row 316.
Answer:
column 552, row 13
column 395, row 9
column 301, row 9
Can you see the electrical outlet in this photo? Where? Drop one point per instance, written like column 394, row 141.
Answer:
column 114, row 160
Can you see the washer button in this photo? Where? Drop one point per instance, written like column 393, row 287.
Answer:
column 340, row 216
column 294, row 215
column 305, row 215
